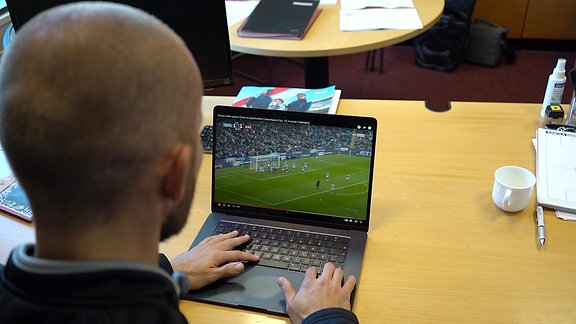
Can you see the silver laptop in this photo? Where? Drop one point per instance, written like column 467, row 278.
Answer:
column 300, row 185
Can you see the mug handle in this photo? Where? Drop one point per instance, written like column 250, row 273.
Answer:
column 506, row 200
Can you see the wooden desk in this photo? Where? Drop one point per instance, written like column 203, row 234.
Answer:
column 325, row 39
column 438, row 249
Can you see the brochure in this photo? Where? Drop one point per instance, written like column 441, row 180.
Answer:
column 13, row 200
column 323, row 101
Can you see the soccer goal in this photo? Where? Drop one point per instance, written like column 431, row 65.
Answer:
column 256, row 162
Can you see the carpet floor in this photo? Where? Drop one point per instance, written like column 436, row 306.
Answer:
column 401, row 79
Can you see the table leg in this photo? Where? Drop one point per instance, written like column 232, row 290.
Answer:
column 316, row 72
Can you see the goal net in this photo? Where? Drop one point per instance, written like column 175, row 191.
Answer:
column 264, row 162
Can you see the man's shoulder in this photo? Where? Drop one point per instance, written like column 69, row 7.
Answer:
column 32, row 296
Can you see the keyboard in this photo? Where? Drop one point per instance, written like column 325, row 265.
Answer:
column 206, row 138
column 287, row 248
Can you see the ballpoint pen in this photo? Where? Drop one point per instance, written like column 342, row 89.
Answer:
column 540, row 221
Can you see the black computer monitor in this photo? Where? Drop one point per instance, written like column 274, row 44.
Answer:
column 201, row 24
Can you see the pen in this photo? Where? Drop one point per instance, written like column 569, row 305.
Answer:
column 541, row 229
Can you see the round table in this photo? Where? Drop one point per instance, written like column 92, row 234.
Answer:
column 325, row 39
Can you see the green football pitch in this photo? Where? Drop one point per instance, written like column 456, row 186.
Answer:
column 296, row 189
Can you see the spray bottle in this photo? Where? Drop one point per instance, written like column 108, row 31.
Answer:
column 555, row 86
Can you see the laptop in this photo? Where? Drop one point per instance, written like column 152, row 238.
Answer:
column 300, row 185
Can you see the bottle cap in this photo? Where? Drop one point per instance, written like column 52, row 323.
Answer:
column 560, row 68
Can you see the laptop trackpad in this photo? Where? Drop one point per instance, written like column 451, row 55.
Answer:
column 255, row 289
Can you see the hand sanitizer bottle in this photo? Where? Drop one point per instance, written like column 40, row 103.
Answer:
column 555, row 86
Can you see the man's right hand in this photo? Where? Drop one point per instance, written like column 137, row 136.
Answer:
column 319, row 293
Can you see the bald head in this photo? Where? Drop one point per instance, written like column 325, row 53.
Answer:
column 90, row 94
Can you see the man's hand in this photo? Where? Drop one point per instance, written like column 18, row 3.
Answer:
column 319, row 293
column 213, row 259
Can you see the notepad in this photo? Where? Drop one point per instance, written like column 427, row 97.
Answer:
column 556, row 169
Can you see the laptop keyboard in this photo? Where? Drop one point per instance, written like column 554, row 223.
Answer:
column 287, row 248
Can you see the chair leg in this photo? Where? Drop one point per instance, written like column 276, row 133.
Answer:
column 381, row 60
column 367, row 61
column 370, row 61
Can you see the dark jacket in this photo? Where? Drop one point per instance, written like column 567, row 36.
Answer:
column 34, row 290
column 301, row 105
column 261, row 102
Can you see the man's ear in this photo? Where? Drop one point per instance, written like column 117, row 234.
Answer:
column 175, row 179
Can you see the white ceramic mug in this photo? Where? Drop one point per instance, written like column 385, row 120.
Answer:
column 512, row 188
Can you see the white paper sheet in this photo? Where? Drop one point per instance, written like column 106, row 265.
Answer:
column 371, row 19
column 389, row 4
column 239, row 10
column 565, row 215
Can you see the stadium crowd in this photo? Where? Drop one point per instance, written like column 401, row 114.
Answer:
column 246, row 139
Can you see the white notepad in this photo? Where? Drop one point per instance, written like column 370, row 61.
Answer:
column 556, row 169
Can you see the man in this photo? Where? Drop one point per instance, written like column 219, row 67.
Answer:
column 277, row 104
column 262, row 101
column 300, row 104
column 100, row 125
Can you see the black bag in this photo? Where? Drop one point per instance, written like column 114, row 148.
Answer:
column 441, row 46
column 487, row 44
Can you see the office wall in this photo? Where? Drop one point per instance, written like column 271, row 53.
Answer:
column 531, row 19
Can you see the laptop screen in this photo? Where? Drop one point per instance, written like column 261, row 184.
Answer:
column 313, row 168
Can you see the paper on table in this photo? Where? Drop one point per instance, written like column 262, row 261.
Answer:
column 565, row 215
column 370, row 19
column 389, row 4
column 238, row 10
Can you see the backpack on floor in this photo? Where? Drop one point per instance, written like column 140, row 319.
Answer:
column 488, row 44
column 441, row 47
